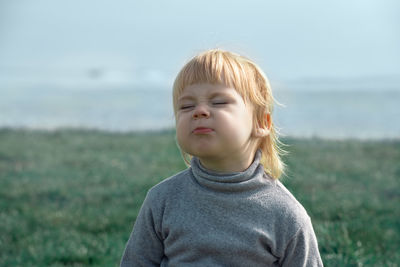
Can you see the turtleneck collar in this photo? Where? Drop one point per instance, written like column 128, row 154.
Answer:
column 251, row 178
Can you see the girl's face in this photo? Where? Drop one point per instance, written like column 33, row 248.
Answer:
column 214, row 124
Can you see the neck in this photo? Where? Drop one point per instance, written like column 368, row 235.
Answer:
column 251, row 178
column 228, row 164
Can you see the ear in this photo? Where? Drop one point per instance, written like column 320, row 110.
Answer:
column 263, row 127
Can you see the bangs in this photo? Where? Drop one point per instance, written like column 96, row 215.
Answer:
column 215, row 67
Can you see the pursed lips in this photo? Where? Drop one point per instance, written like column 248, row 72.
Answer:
column 202, row 130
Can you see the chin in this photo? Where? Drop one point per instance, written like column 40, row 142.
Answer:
column 203, row 152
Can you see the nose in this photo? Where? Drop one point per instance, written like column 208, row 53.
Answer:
column 201, row 112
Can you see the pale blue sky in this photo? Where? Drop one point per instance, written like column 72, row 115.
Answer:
column 148, row 41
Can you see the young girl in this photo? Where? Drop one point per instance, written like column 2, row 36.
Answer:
column 228, row 208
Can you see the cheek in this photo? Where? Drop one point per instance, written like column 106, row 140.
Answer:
column 245, row 124
column 181, row 131
column 181, row 123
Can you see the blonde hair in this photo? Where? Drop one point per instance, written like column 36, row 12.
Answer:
column 222, row 67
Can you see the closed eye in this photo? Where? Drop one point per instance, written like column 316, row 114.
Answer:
column 184, row 107
column 216, row 103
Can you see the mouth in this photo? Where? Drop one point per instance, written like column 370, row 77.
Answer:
column 202, row 130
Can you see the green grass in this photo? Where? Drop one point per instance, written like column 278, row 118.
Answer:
column 70, row 197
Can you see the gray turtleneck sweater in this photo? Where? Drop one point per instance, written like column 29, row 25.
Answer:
column 201, row 218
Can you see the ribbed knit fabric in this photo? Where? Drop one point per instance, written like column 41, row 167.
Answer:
column 202, row 218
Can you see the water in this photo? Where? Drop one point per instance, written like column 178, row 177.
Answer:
column 340, row 114
column 109, row 109
column 326, row 114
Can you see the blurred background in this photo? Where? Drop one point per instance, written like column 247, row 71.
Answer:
column 334, row 65
column 70, row 197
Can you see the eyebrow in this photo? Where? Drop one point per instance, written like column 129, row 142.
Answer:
column 186, row 97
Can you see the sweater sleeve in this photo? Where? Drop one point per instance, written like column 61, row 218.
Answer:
column 144, row 247
column 302, row 249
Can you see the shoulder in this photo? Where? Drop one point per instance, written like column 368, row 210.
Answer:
column 298, row 245
column 169, row 186
column 289, row 218
column 158, row 200
column 289, row 211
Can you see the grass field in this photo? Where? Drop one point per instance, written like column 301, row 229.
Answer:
column 70, row 197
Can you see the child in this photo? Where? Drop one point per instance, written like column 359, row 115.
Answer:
column 228, row 208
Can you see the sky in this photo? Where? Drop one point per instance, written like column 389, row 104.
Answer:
column 147, row 42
